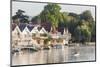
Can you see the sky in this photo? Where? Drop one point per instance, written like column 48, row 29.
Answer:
column 33, row 9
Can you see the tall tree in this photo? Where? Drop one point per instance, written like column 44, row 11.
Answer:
column 52, row 14
column 20, row 17
column 83, row 32
column 86, row 15
column 72, row 23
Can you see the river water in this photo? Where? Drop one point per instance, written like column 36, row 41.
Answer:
column 54, row 55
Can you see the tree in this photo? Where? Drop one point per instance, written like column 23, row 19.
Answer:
column 83, row 33
column 64, row 19
column 36, row 19
column 82, row 27
column 86, row 15
column 52, row 14
column 20, row 17
column 93, row 35
column 72, row 22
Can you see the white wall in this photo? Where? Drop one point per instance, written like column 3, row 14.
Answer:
column 5, row 33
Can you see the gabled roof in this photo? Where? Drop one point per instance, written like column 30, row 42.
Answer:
column 35, row 30
column 39, row 28
column 30, row 27
column 46, row 25
column 16, row 30
column 61, row 29
column 22, row 26
column 42, row 31
column 13, row 26
column 26, row 30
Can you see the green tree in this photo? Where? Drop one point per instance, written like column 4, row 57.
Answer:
column 86, row 15
column 20, row 17
column 83, row 33
column 72, row 22
column 64, row 19
column 52, row 14
column 36, row 19
column 93, row 35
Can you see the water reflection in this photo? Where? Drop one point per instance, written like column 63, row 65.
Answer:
column 54, row 56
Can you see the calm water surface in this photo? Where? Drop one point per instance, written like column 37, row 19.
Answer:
column 66, row 54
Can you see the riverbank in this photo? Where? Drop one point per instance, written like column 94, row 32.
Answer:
column 80, row 44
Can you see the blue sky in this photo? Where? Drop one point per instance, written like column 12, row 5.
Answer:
column 33, row 9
